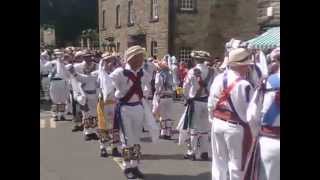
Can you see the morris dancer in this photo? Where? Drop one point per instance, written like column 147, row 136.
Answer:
column 59, row 89
column 89, row 85
column 264, row 118
column 162, row 100
column 107, row 105
column 195, row 118
column 227, row 105
column 132, row 111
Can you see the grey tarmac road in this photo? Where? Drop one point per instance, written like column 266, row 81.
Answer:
column 64, row 155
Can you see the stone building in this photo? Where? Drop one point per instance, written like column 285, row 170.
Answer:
column 175, row 26
column 268, row 13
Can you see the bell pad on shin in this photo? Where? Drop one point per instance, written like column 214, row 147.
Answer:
column 103, row 135
column 90, row 122
column 115, row 136
column 132, row 153
column 127, row 153
column 61, row 107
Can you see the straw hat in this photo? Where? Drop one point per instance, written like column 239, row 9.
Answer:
column 200, row 55
column 57, row 52
column 133, row 51
column 108, row 57
column 78, row 54
column 239, row 57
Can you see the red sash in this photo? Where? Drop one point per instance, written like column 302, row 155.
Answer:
column 221, row 112
column 224, row 97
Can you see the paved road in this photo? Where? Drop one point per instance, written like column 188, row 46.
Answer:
column 65, row 155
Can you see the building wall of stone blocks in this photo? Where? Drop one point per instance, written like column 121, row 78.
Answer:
column 142, row 10
column 191, row 29
column 262, row 12
column 231, row 19
column 214, row 23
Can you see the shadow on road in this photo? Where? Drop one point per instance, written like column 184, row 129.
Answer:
column 202, row 176
column 162, row 156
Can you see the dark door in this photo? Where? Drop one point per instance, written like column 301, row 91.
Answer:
column 139, row 39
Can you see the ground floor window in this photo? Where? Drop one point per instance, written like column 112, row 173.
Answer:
column 117, row 47
column 184, row 53
column 154, row 48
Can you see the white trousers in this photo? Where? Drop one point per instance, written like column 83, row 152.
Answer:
column 59, row 91
column 200, row 127
column 92, row 102
column 69, row 104
column 226, row 150
column 270, row 159
column 108, row 115
column 199, row 142
column 165, row 113
column 59, row 94
column 45, row 82
column 200, row 120
column 132, row 119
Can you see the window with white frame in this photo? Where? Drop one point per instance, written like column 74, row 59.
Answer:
column 118, row 16
column 103, row 19
column 130, row 13
column 154, row 48
column 184, row 54
column 117, row 46
column 187, row 5
column 154, row 9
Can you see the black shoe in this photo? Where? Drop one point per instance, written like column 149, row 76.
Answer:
column 137, row 172
column 77, row 128
column 81, row 127
column 144, row 131
column 87, row 137
column 191, row 157
column 55, row 118
column 167, row 137
column 162, row 137
column 94, row 136
column 62, row 118
column 204, row 156
column 103, row 153
column 128, row 172
column 115, row 152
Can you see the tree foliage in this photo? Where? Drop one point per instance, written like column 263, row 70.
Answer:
column 69, row 17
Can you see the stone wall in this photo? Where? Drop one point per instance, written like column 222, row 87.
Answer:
column 191, row 28
column 213, row 24
column 231, row 19
column 263, row 20
column 142, row 10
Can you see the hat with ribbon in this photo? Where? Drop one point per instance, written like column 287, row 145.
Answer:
column 200, row 55
column 133, row 51
column 239, row 57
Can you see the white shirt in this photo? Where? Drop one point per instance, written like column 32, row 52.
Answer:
column 79, row 67
column 123, row 83
column 159, row 86
column 175, row 75
column 52, row 66
column 89, row 82
column 105, row 83
column 191, row 85
column 240, row 95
